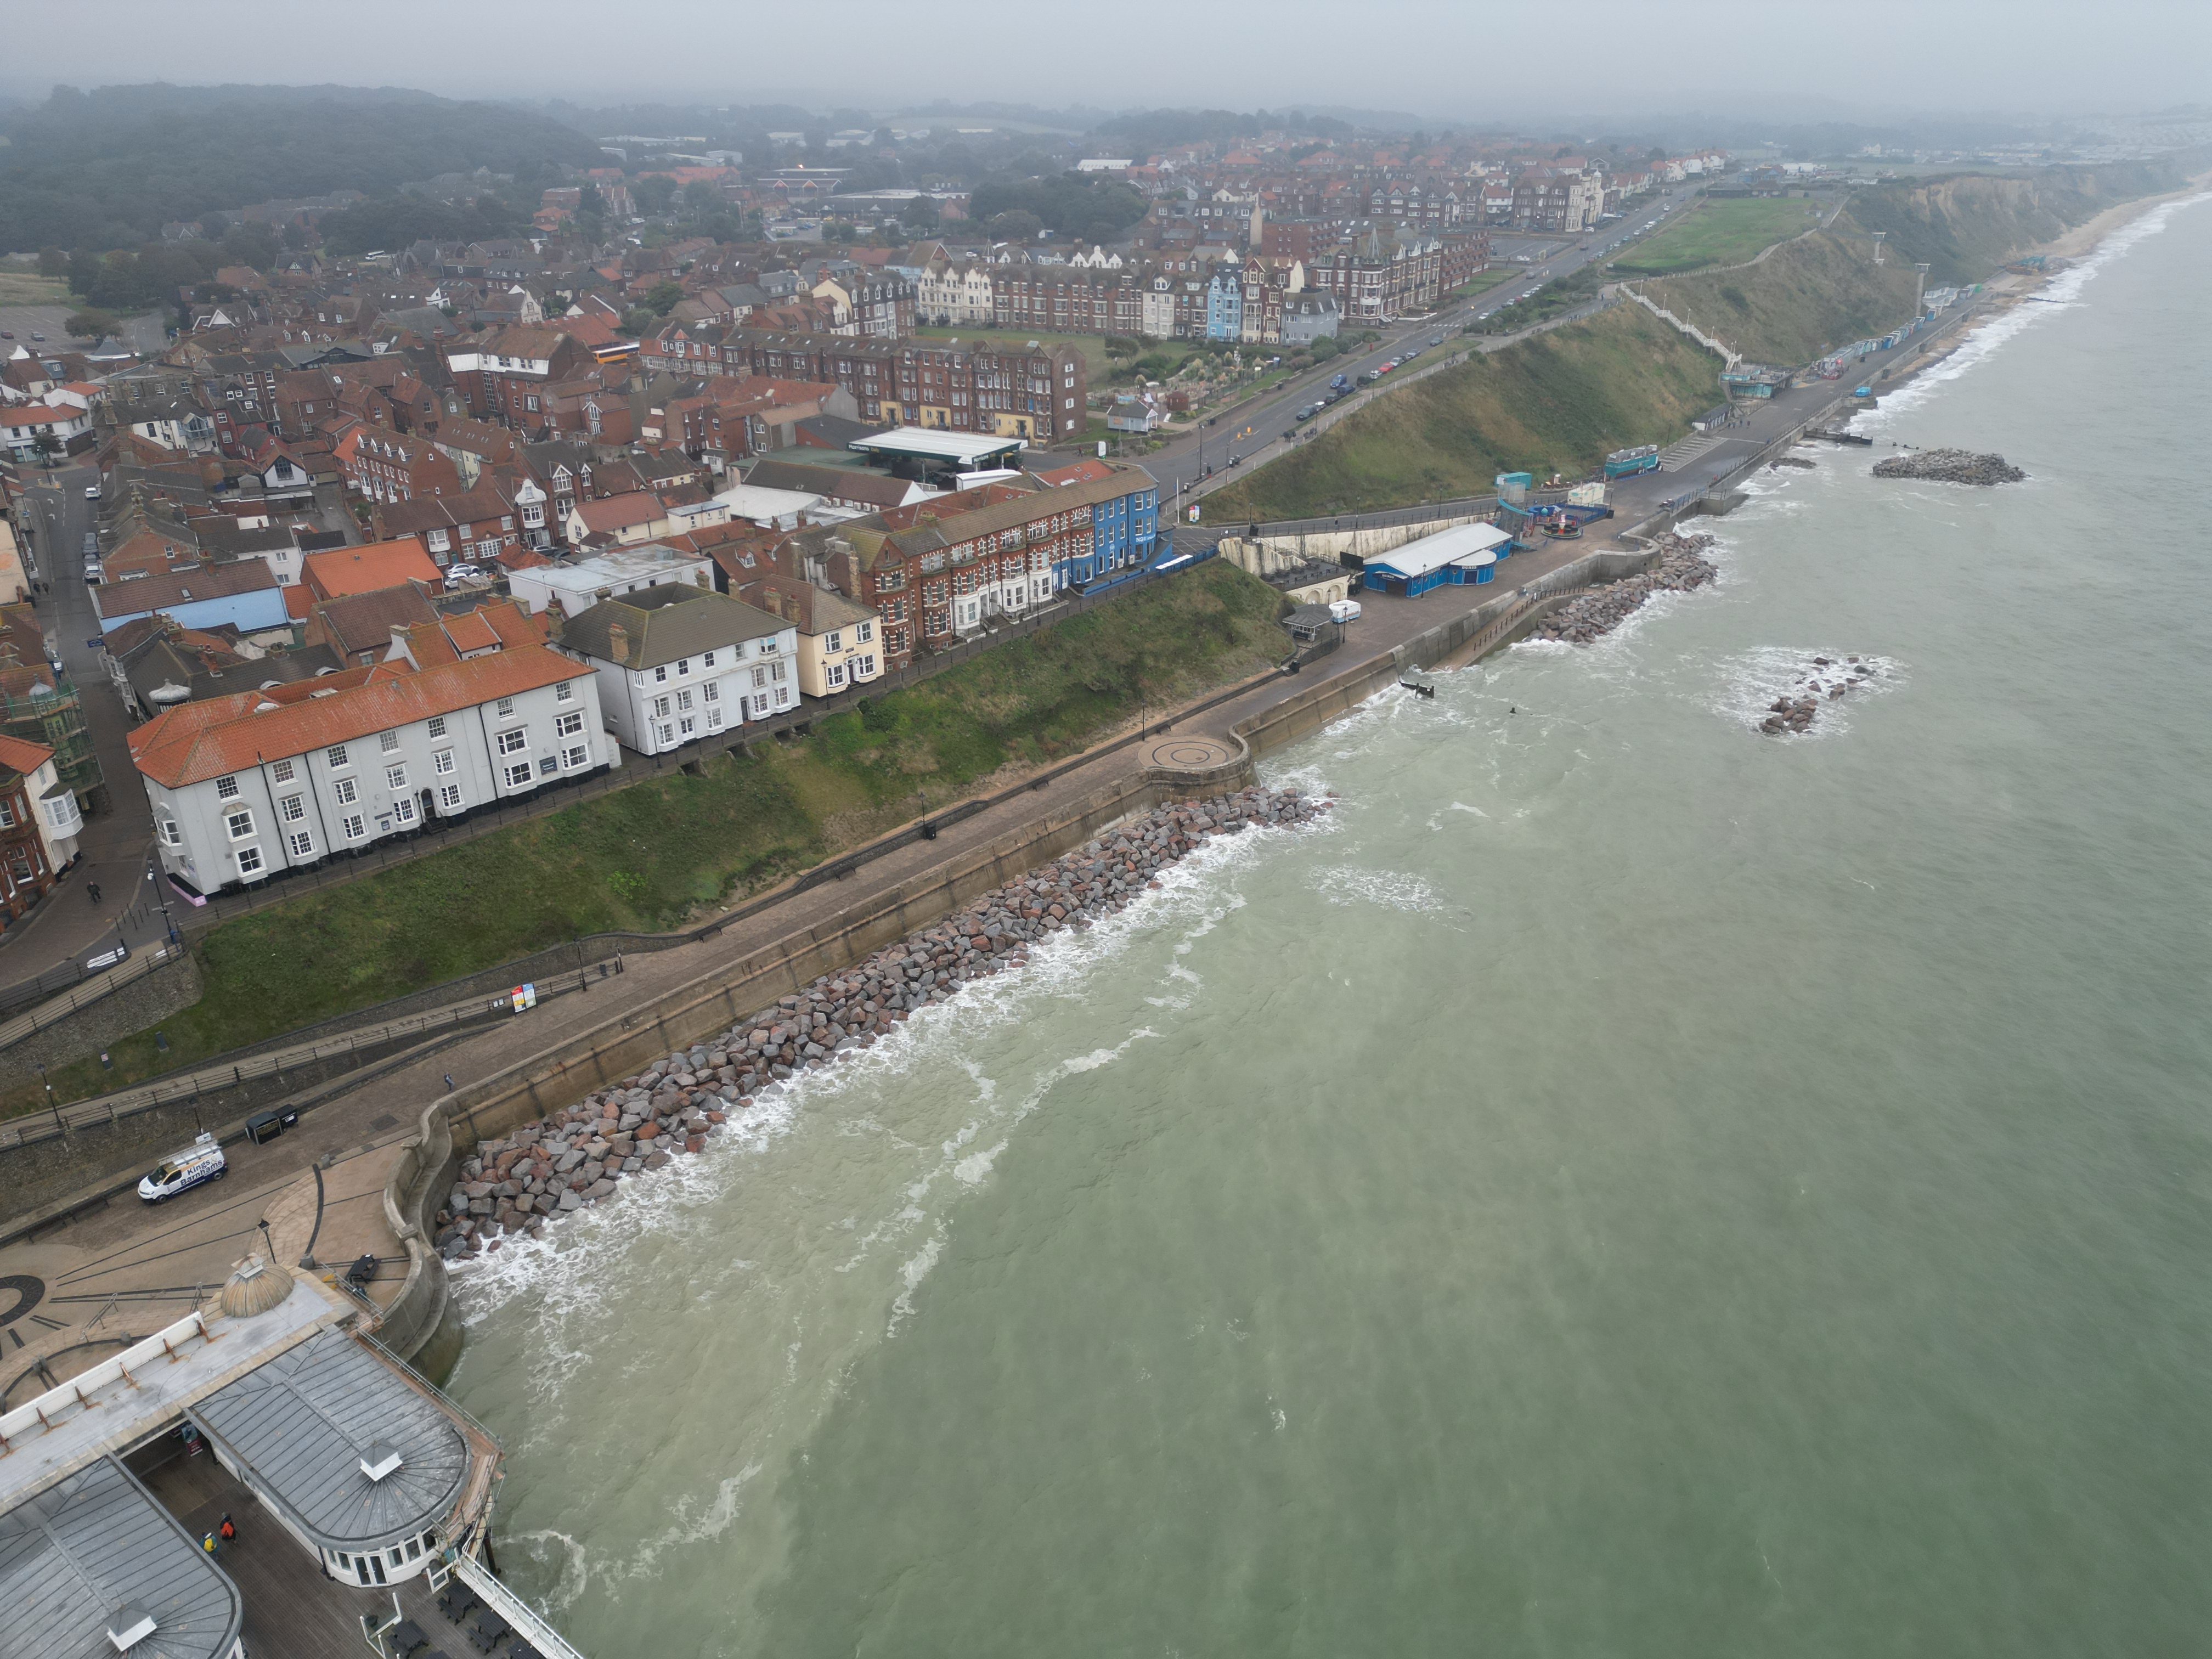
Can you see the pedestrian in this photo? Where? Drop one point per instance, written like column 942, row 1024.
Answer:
column 91, row 891
column 226, row 1531
column 207, row 1543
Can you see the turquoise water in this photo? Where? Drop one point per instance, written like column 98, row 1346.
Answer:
column 1626, row 1185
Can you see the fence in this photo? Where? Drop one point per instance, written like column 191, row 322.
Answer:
column 53, row 1120
column 45, row 1008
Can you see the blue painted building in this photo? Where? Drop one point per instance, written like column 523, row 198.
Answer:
column 244, row 594
column 1125, row 529
column 1225, row 305
column 1465, row 553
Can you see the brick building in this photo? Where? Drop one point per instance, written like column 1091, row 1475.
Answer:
column 1005, row 389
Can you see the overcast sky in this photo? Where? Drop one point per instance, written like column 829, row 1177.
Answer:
column 1471, row 60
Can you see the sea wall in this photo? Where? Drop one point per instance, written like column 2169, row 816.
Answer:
column 1268, row 554
column 600, row 1054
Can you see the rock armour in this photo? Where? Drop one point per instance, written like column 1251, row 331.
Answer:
column 571, row 1159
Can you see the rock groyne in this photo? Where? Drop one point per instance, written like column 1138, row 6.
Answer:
column 571, row 1159
column 1588, row 617
column 1825, row 680
column 1958, row 466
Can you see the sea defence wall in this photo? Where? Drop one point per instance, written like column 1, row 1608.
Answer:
column 419, row 1318
column 1265, row 554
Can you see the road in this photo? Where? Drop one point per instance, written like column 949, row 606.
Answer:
column 116, row 844
column 1192, row 458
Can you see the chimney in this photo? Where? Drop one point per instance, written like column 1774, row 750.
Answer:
column 617, row 642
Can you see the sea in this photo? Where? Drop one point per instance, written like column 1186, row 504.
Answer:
column 1624, row 1184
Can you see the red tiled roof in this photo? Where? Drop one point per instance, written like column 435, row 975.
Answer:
column 193, row 742
column 619, row 512
column 371, row 566
column 22, row 754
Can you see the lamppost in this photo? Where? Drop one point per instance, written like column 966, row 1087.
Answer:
column 52, row 1105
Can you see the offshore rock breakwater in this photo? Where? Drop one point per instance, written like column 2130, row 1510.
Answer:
column 570, row 1160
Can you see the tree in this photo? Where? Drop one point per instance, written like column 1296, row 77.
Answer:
column 919, row 213
column 653, row 193
column 664, row 297
column 1014, row 227
column 1324, row 347
column 841, row 230
column 91, row 324
column 1656, row 153
column 52, row 262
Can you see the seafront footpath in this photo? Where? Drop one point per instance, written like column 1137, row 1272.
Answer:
column 570, row 1160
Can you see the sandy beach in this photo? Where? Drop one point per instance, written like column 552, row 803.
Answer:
column 2085, row 236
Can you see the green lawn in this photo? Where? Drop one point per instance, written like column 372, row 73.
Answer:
column 1556, row 402
column 647, row 857
column 27, row 287
column 1718, row 234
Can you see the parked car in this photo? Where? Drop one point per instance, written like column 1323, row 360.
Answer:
column 37, row 337
column 1436, row 339
column 7, row 333
column 92, row 492
column 463, row 573
column 201, row 1160
column 264, row 1126
column 93, row 574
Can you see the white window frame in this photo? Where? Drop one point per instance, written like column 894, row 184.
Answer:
column 449, row 797
column 344, row 792
column 226, row 788
column 336, row 755
column 281, row 771
column 387, row 743
column 239, row 824
column 395, row 777
column 513, row 742
column 301, row 843
column 526, row 771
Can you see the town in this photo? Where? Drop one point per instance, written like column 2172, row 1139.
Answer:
column 504, row 674
column 677, row 485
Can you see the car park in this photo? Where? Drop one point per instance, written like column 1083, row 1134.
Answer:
column 200, row 1162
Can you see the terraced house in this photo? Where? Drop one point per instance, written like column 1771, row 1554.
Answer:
column 1001, row 389
column 945, row 567
column 246, row 786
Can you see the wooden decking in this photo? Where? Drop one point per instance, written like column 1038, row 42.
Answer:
column 292, row 1610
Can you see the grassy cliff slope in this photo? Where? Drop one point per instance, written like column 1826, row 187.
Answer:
column 646, row 857
column 1554, row 403
column 1817, row 292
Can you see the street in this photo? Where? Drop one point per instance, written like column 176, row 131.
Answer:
column 116, row 847
column 1183, row 463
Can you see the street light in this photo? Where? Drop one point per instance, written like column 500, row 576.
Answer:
column 51, row 1106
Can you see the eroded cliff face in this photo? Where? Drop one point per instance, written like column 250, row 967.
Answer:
column 1822, row 290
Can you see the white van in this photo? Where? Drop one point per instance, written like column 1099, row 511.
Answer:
column 1344, row 610
column 201, row 1160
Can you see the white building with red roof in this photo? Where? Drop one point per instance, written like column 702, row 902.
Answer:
column 246, row 786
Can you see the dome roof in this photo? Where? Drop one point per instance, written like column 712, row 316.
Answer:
column 255, row 1288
